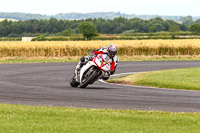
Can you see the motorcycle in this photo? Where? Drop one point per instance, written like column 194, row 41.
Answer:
column 97, row 68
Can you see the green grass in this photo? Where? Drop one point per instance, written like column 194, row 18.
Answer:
column 187, row 79
column 9, row 61
column 76, row 59
column 160, row 59
column 25, row 119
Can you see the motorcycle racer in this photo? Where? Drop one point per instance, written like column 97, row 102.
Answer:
column 111, row 51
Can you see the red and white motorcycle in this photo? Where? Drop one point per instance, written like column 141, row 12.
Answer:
column 93, row 70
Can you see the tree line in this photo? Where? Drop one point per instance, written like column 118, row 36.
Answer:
column 103, row 26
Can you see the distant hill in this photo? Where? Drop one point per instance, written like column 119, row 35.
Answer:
column 2, row 19
column 22, row 16
column 104, row 15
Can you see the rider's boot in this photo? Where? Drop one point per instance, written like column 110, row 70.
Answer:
column 78, row 67
column 82, row 61
column 77, row 70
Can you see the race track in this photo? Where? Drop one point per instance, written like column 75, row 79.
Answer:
column 48, row 84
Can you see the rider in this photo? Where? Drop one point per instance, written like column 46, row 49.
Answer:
column 111, row 51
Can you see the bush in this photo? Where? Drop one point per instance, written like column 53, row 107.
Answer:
column 10, row 39
column 42, row 38
column 61, row 38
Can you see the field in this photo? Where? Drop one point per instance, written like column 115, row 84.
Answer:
column 23, row 119
column 81, row 48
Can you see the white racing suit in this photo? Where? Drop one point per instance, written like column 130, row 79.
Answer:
column 85, row 59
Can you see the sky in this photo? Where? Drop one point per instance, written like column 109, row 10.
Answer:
column 138, row 7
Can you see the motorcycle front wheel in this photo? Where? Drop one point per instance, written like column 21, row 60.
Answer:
column 89, row 79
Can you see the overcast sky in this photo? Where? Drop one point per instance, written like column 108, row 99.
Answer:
column 139, row 7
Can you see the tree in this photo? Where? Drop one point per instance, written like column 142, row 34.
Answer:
column 187, row 20
column 174, row 28
column 87, row 29
column 195, row 28
column 67, row 32
column 156, row 25
column 90, row 27
column 151, row 29
column 197, row 21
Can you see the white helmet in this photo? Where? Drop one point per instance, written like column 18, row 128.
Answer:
column 112, row 50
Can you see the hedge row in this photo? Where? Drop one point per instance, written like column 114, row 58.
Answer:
column 112, row 38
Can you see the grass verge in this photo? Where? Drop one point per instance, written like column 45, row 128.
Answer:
column 187, row 79
column 6, row 60
column 9, row 60
column 23, row 119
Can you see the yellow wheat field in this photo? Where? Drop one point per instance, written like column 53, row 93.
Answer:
column 81, row 48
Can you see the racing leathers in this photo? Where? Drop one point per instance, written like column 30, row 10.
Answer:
column 103, row 50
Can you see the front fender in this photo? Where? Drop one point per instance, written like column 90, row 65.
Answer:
column 85, row 68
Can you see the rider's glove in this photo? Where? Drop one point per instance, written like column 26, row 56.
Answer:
column 82, row 59
column 112, row 72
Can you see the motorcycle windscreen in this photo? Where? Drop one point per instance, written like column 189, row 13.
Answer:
column 102, row 61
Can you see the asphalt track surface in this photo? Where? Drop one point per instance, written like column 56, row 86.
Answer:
column 44, row 84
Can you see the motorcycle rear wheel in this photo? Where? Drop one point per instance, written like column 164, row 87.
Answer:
column 73, row 82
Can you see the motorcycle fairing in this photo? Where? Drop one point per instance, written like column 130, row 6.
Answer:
column 86, row 67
